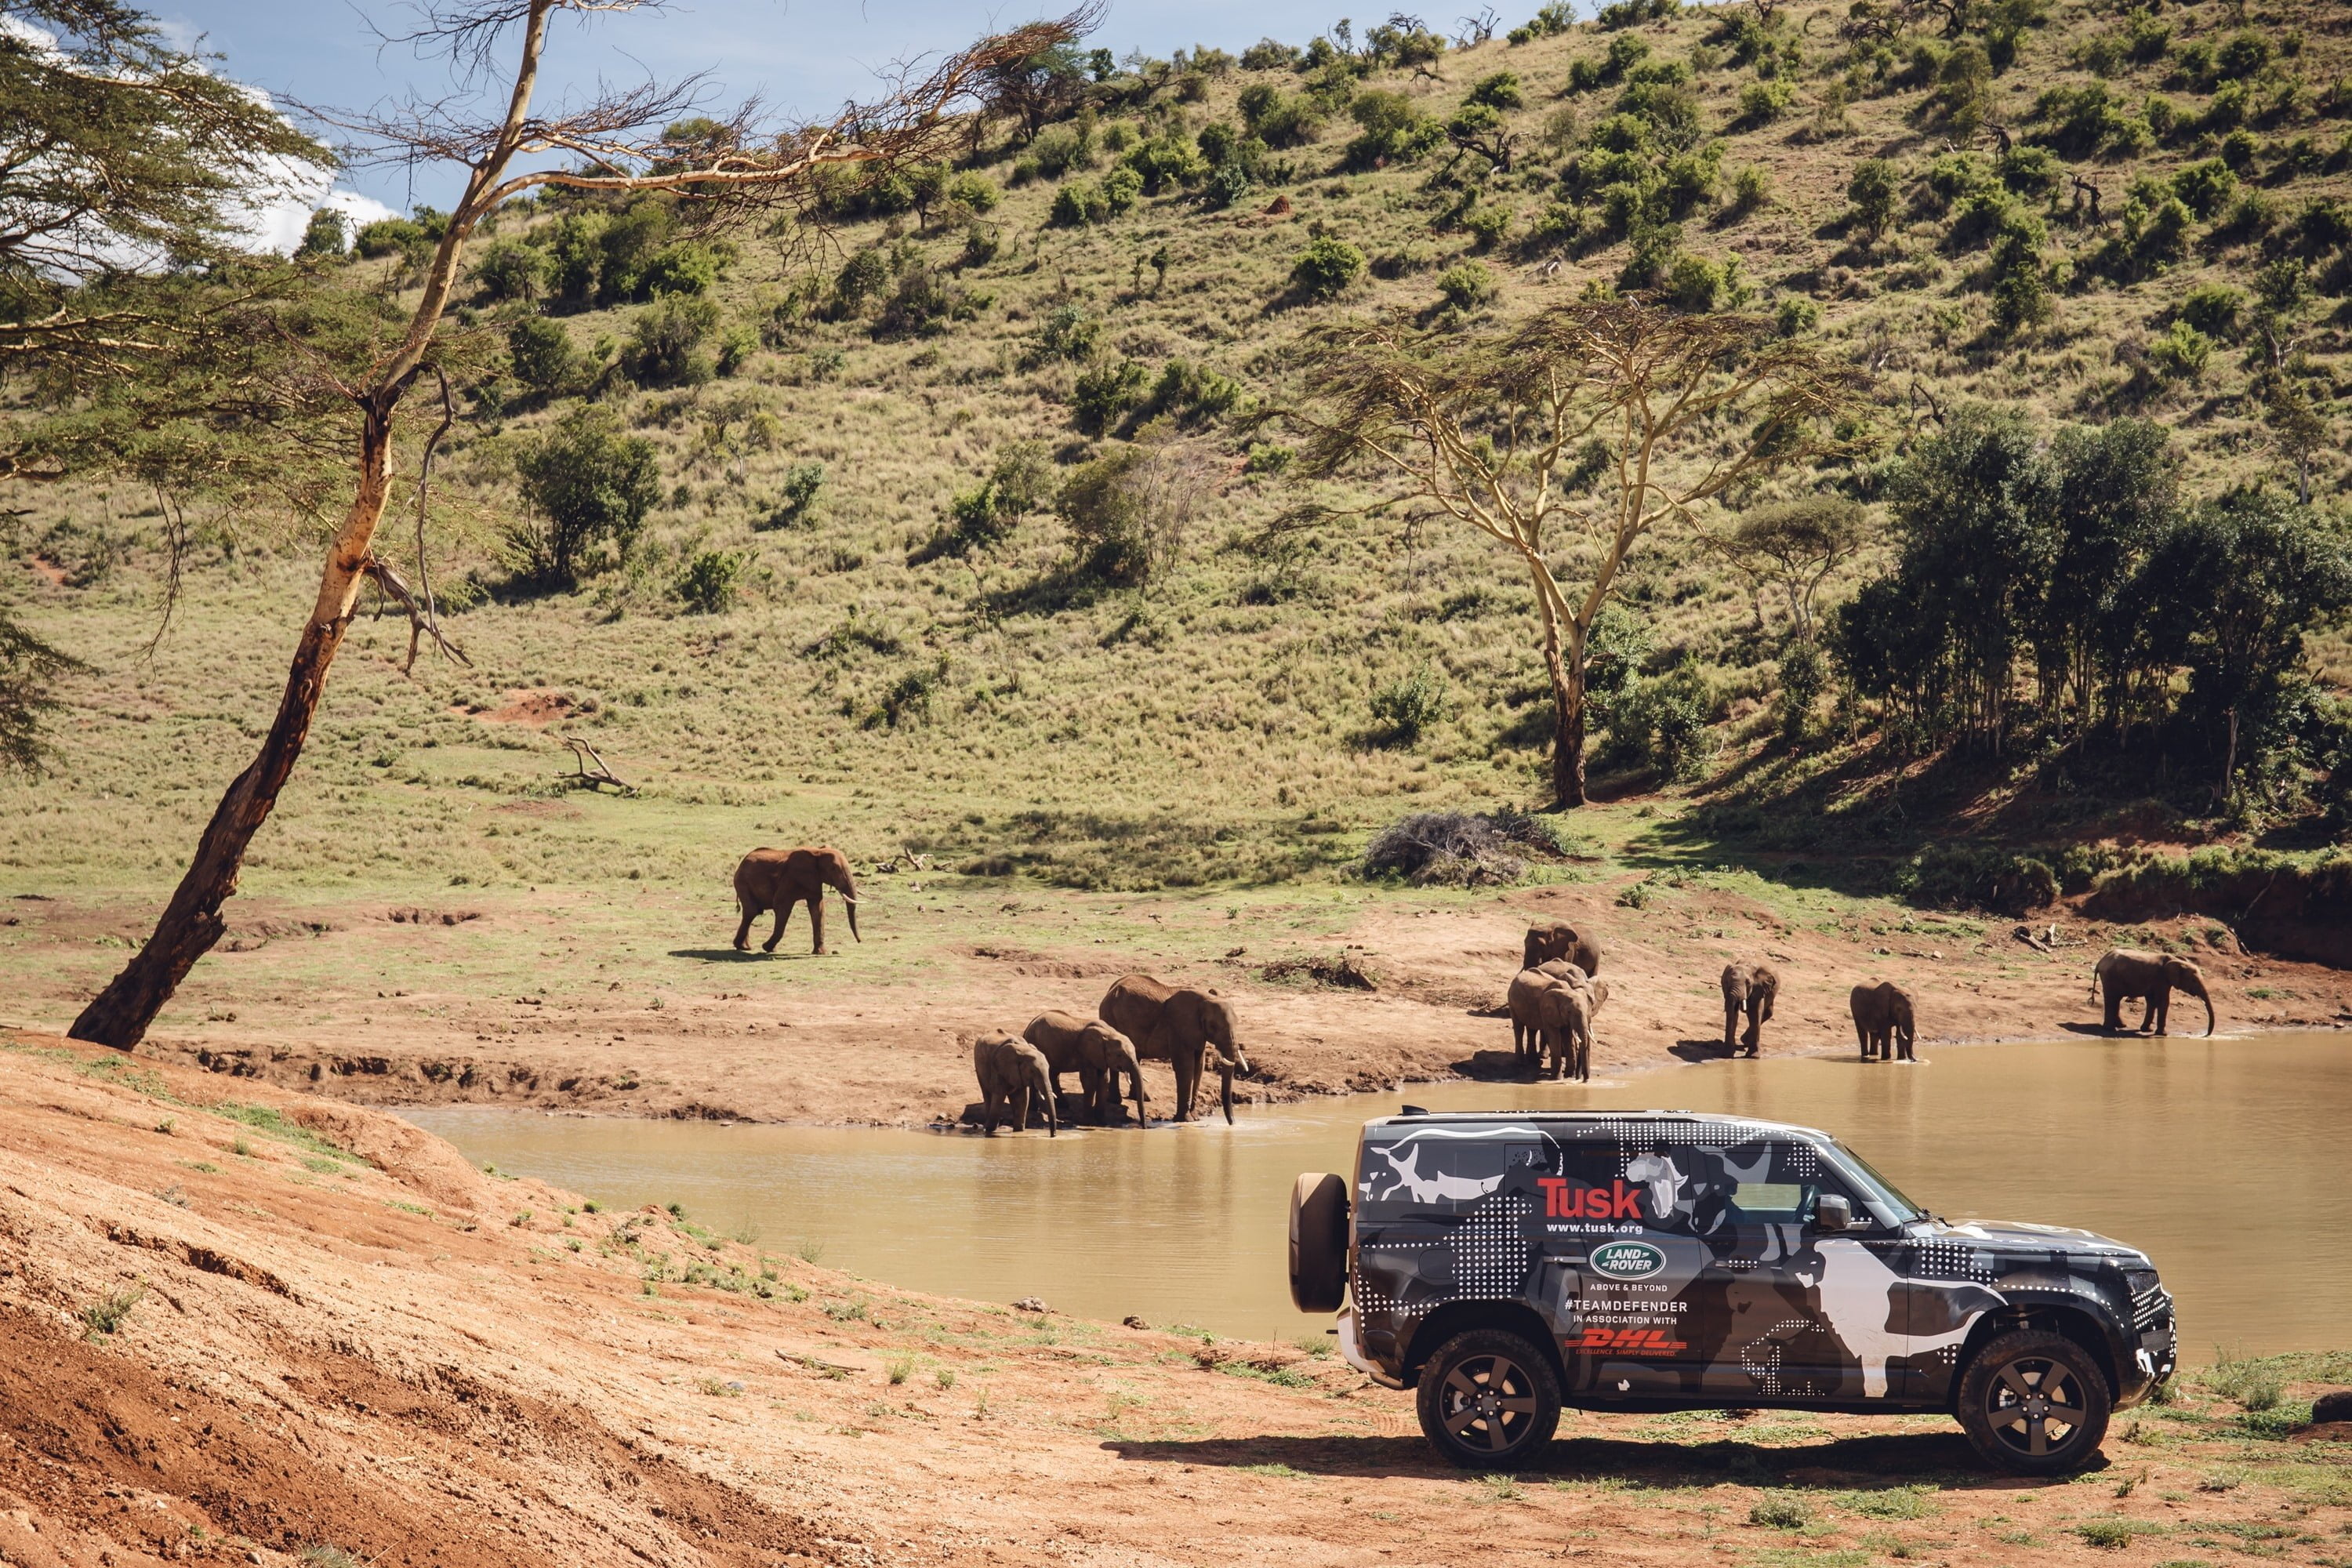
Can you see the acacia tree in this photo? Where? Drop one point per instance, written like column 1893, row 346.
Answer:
column 1566, row 440
column 616, row 146
column 1794, row 546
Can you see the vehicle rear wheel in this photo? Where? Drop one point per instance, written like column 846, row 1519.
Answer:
column 2034, row 1404
column 1318, row 1242
column 1488, row 1400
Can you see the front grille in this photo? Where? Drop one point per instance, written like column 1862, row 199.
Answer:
column 2151, row 1307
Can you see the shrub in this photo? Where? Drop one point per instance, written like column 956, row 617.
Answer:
column 388, row 237
column 669, row 343
column 1058, row 149
column 541, row 353
column 1162, row 162
column 1976, row 876
column 2205, row 187
column 796, row 506
column 1487, row 226
column 1804, row 676
column 1105, row 393
column 1193, row 392
column 1751, row 187
column 1404, row 708
column 1763, row 102
column 1662, row 722
column 511, row 269
column 1780, row 1512
column 1466, row 285
column 975, row 191
column 1500, row 91
column 1458, row 849
column 1069, row 333
column 1873, row 189
column 2212, row 308
column 591, row 484
column 1393, row 130
column 1129, row 509
column 1121, row 189
column 1695, row 284
column 2180, row 353
column 327, row 234
column 706, row 584
column 1327, row 269
column 1078, row 204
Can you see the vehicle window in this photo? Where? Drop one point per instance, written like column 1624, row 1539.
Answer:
column 1444, row 1170
column 1703, row 1189
column 1878, row 1195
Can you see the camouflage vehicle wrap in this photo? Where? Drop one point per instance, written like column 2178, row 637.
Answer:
column 1671, row 1261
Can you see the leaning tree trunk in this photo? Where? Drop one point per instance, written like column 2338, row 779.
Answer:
column 1566, row 675
column 120, row 1015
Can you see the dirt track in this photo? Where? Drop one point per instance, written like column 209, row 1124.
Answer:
column 793, row 1038
column 348, row 1339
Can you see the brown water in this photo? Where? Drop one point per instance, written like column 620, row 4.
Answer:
column 2223, row 1159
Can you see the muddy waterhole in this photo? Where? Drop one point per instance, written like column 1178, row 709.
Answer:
column 2224, row 1159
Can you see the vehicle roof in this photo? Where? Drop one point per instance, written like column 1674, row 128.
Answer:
column 1702, row 1117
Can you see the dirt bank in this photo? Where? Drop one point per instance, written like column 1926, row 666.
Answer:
column 515, row 1004
column 277, row 1330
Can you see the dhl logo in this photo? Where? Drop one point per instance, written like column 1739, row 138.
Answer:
column 1626, row 1341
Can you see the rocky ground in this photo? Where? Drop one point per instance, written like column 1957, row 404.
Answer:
column 533, row 1002
column 245, row 1325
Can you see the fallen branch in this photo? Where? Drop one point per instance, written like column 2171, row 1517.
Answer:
column 592, row 769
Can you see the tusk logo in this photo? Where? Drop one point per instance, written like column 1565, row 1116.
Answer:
column 1628, row 1260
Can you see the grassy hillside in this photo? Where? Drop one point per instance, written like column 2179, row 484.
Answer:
column 1226, row 720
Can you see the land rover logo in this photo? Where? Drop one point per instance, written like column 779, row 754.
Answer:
column 1628, row 1260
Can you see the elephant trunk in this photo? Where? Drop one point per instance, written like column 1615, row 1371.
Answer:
column 1226, row 1091
column 2205, row 996
column 1135, row 1077
column 1052, row 1114
column 851, row 904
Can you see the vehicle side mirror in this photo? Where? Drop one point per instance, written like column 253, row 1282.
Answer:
column 1833, row 1212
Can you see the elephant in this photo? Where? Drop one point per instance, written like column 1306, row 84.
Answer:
column 1179, row 1026
column 2125, row 972
column 1882, row 1022
column 1748, row 988
column 1100, row 1056
column 779, row 879
column 1564, row 1014
column 1529, row 987
column 1547, row 940
column 1012, row 1077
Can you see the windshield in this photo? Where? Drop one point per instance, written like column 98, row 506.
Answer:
column 1882, row 1194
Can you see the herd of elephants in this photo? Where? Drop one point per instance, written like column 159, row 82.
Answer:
column 1553, row 1003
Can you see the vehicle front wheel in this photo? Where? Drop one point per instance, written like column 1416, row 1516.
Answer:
column 2035, row 1403
column 1488, row 1400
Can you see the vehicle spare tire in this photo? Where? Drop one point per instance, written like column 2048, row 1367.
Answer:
column 1318, row 1242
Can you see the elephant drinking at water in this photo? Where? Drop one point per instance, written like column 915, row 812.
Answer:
column 1179, row 1026
column 1100, row 1055
column 1013, row 1079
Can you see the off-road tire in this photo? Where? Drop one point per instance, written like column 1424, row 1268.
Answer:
column 2000, row 1403
column 1514, row 1427
column 1318, row 1242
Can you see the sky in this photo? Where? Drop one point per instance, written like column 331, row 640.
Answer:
column 801, row 55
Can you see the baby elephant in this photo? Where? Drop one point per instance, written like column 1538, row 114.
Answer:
column 1012, row 1077
column 1748, row 988
column 1098, row 1054
column 1882, row 1021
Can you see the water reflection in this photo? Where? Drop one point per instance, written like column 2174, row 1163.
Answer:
column 2222, row 1158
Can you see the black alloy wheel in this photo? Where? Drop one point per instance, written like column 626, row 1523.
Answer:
column 1488, row 1400
column 2035, row 1403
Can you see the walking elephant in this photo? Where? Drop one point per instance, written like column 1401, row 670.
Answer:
column 1098, row 1054
column 1524, row 1004
column 1179, row 1026
column 1013, row 1077
column 1566, row 1014
column 779, row 879
column 2124, row 973
column 1883, row 1024
column 1550, row 939
column 1748, row 988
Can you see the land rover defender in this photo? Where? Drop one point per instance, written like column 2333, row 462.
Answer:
column 1507, row 1264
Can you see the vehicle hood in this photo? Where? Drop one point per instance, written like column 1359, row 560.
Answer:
column 2023, row 1235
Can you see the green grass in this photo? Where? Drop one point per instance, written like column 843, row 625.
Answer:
column 1254, row 667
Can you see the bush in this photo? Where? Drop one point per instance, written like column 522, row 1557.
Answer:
column 591, row 484
column 2180, row 354
column 796, row 506
column 1327, row 269
column 1500, row 91
column 1456, row 849
column 706, row 584
column 1404, row 708
column 1192, row 393
column 1976, row 876
column 1661, row 723
column 1874, row 190
column 1763, row 102
column 1695, row 284
column 511, row 269
column 1078, row 204
column 541, row 353
column 1121, row 189
column 975, row 191
column 1105, row 394
column 1780, row 1512
column 2212, row 308
column 1804, row 676
column 389, row 237
column 327, row 234
column 669, row 343
column 1466, row 285
column 2205, row 188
